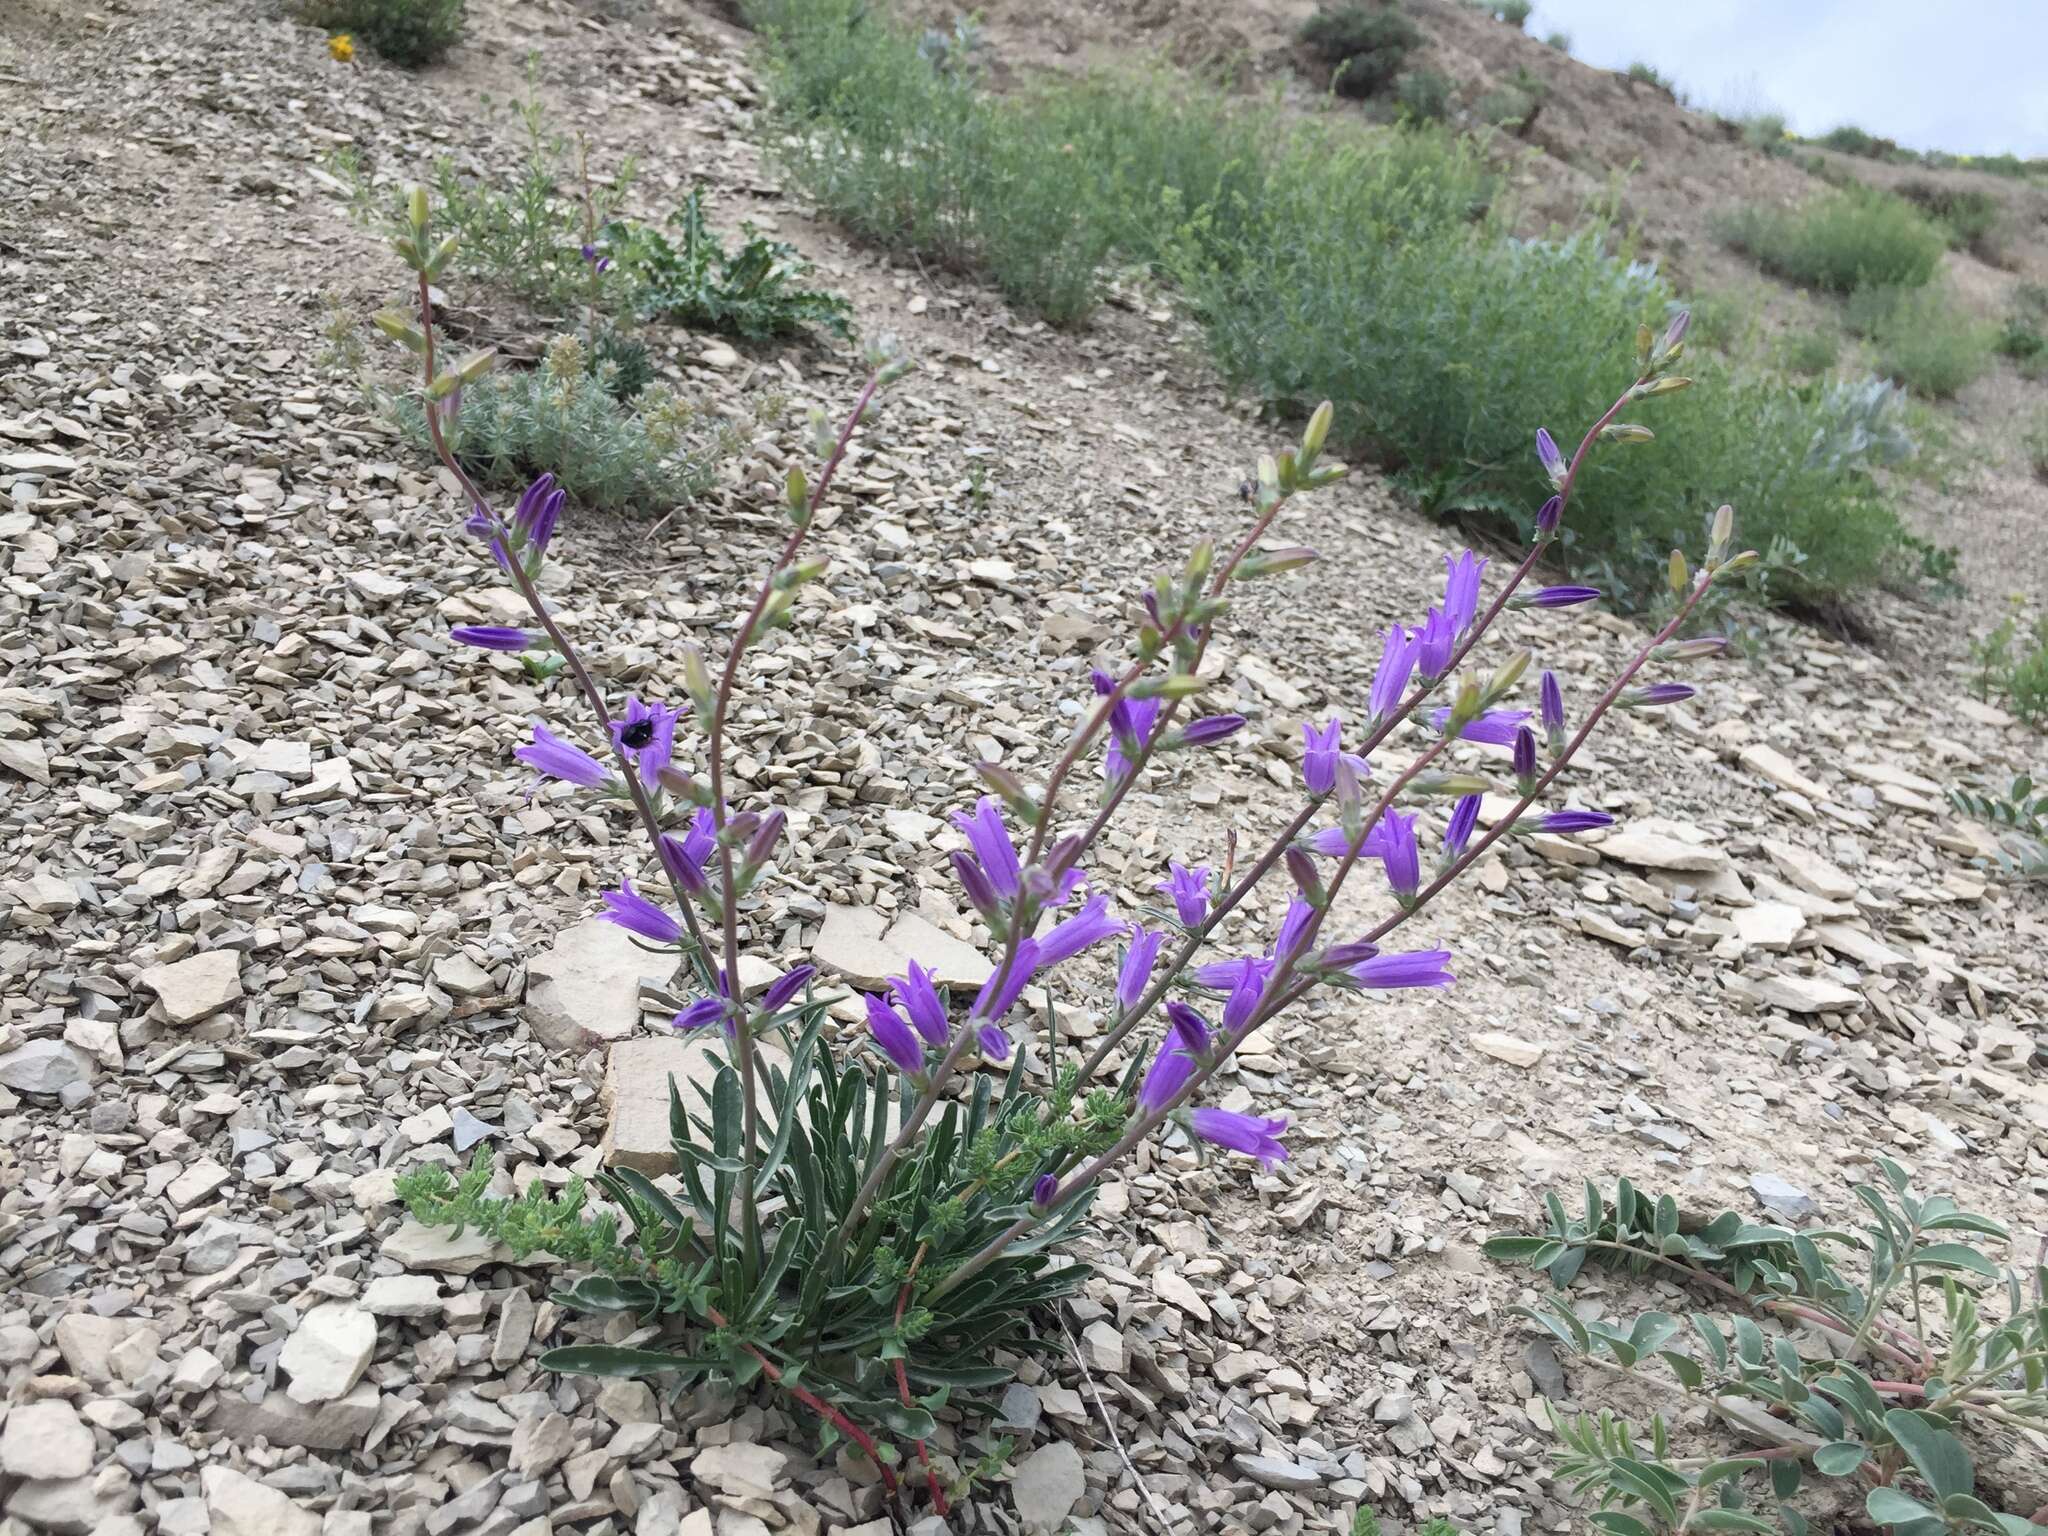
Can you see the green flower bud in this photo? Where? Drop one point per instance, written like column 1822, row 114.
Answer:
column 1313, row 435
column 416, row 211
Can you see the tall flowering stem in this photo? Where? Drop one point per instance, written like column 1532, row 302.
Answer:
column 715, row 762
column 1285, row 988
column 1278, row 483
column 1263, row 865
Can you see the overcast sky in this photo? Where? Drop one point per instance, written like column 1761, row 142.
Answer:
column 1967, row 76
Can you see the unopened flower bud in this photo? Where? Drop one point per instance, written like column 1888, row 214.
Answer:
column 1263, row 562
column 1509, row 674
column 1680, row 324
column 1693, row 649
column 1550, row 710
column 1525, row 760
column 401, row 329
column 824, row 436
column 1465, row 706
column 1302, row 870
column 697, row 681
column 1721, row 534
column 1679, row 576
column 1044, row 1191
column 476, row 365
column 1555, row 597
column 1552, row 461
column 1626, row 432
column 761, row 846
column 1209, row 730
column 1657, row 694
column 1315, row 432
column 1200, row 560
column 1670, row 384
column 1549, row 516
column 796, row 491
column 444, row 253
column 416, row 210
column 1171, row 685
column 1010, row 789
column 1460, row 784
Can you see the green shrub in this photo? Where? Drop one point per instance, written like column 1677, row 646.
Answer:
column 1365, row 45
column 407, row 32
column 1811, row 352
column 514, row 426
column 1423, row 96
column 1514, row 12
column 1921, row 338
column 2012, row 664
column 1561, row 41
column 621, row 363
column 1968, row 217
column 1422, row 331
column 1851, row 140
column 1854, row 238
column 1766, row 133
column 1647, row 74
column 2024, row 335
column 756, row 294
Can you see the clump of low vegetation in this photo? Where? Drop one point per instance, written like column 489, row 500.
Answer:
column 1366, row 47
column 2023, row 336
column 1848, row 139
column 1644, row 73
column 1325, row 258
column 1921, row 337
column 1515, row 103
column 1892, row 1358
column 1561, row 41
column 2012, row 665
column 1811, row 351
column 1766, row 133
column 2034, row 445
column 555, row 234
column 757, row 293
column 563, row 418
column 407, row 32
column 1514, row 12
column 1423, row 96
column 1853, row 238
column 1969, row 217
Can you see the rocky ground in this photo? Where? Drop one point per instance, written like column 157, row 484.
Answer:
column 278, row 919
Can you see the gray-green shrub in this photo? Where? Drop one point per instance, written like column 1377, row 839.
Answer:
column 561, row 418
column 1856, row 237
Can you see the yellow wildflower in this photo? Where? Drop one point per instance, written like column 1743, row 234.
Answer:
column 341, row 47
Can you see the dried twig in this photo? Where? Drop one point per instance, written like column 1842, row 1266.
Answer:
column 1158, row 1511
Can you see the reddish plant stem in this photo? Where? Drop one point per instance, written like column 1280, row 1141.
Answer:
column 817, row 1405
column 931, row 1478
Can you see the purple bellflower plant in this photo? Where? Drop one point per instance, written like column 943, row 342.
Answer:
column 1044, row 1154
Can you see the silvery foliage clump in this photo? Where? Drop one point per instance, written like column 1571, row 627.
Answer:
column 1863, row 425
column 1880, row 1355
column 873, row 1231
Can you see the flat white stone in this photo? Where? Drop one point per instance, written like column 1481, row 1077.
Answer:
column 329, row 1351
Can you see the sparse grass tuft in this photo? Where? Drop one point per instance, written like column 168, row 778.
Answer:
column 1423, row 96
column 1854, row 238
